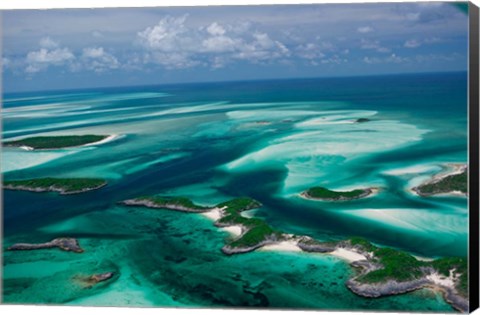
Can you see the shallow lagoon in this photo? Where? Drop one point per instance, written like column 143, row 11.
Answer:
column 212, row 142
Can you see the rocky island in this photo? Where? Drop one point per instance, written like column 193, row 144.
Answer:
column 387, row 271
column 64, row 243
column 56, row 142
column 380, row 271
column 64, row 186
column 95, row 279
column 324, row 194
column 167, row 202
column 454, row 181
column 255, row 233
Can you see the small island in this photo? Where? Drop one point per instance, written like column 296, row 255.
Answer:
column 388, row 271
column 56, row 142
column 64, row 186
column 362, row 120
column 166, row 202
column 255, row 232
column 90, row 281
column 64, row 243
column 324, row 194
column 380, row 271
column 453, row 182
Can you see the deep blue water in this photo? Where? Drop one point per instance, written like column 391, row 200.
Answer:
column 268, row 140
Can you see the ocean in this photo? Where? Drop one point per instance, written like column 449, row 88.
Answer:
column 212, row 142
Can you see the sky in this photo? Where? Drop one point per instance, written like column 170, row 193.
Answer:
column 83, row 48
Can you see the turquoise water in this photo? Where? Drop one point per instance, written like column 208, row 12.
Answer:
column 269, row 140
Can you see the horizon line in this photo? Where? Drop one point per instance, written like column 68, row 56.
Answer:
column 235, row 81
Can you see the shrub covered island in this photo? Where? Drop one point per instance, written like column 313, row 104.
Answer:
column 55, row 142
column 64, row 186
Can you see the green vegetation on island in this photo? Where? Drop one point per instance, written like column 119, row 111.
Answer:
column 447, row 184
column 166, row 202
column 256, row 232
column 362, row 120
column 62, row 185
column 397, row 265
column 400, row 266
column 179, row 201
column 384, row 271
column 322, row 193
column 387, row 271
column 460, row 265
column 362, row 243
column 55, row 142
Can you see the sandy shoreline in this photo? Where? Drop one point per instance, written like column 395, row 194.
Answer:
column 234, row 230
column 283, row 246
column 213, row 214
column 216, row 214
column 292, row 246
column 110, row 138
column 421, row 258
column 107, row 139
column 348, row 255
column 289, row 245
column 26, row 148
column 373, row 192
column 450, row 169
column 441, row 280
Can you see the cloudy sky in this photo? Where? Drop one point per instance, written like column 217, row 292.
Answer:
column 62, row 49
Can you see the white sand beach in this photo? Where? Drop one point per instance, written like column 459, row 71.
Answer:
column 284, row 246
column 107, row 139
column 348, row 255
column 214, row 214
column 441, row 280
column 234, row 230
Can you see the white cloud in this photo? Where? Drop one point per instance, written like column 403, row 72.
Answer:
column 309, row 51
column 56, row 56
column 263, row 40
column 262, row 48
column 215, row 29
column 173, row 44
column 365, row 29
column 393, row 58
column 48, row 43
column 374, row 45
column 98, row 60
column 51, row 54
column 220, row 44
column 169, row 35
column 335, row 59
column 412, row 43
